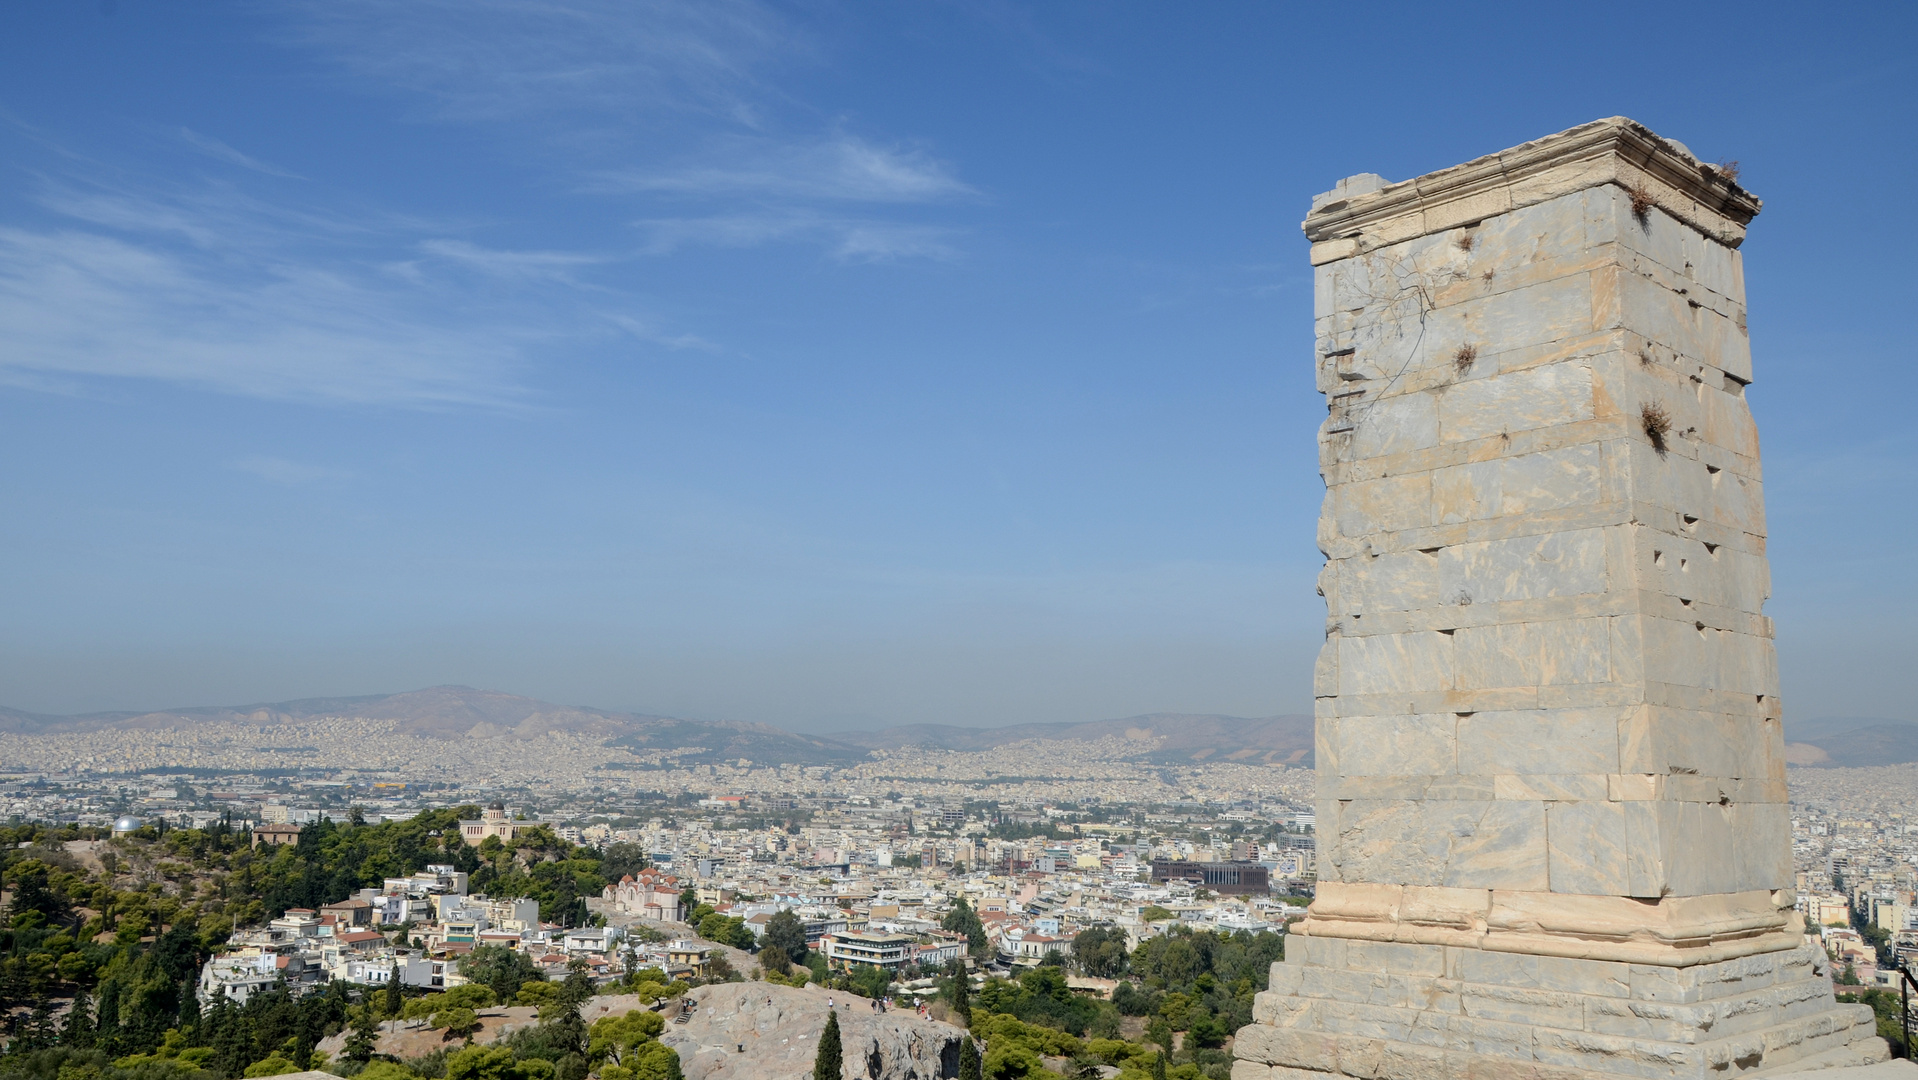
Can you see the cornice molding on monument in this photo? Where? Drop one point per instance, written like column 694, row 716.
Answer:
column 1672, row 931
column 1616, row 150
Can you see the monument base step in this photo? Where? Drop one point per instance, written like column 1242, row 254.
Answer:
column 1898, row 1069
column 1395, row 1011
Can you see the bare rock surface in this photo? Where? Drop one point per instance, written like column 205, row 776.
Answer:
column 1898, row 1069
column 779, row 1026
column 412, row 1038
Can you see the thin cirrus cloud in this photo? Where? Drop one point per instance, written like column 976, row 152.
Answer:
column 507, row 59
column 212, row 290
column 841, row 169
column 544, row 265
column 696, row 78
column 220, row 151
column 279, row 470
column 846, row 239
column 79, row 304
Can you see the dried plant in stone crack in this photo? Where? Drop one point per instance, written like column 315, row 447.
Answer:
column 1657, row 423
column 1401, row 292
column 1465, row 241
column 1487, row 276
column 1642, row 202
column 1726, row 170
column 1645, row 357
column 1462, row 359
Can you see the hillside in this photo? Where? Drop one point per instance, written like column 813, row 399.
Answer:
column 442, row 712
column 729, row 741
column 1173, row 737
column 462, row 712
column 1840, row 742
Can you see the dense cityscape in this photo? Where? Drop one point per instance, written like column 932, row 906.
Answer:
column 908, row 830
column 888, row 874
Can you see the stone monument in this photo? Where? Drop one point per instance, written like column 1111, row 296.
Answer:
column 1553, row 831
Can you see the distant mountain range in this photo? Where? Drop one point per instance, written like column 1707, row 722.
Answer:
column 440, row 712
column 455, row 712
column 1839, row 741
column 1174, row 737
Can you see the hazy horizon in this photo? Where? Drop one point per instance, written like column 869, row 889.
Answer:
column 819, row 366
column 1796, row 728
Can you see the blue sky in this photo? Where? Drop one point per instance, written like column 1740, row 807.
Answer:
column 825, row 365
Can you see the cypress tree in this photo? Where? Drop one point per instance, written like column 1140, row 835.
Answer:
column 189, row 1016
column 394, row 1004
column 1158, row 1067
column 79, row 1030
column 969, row 1067
column 106, row 1017
column 829, row 1064
column 962, row 997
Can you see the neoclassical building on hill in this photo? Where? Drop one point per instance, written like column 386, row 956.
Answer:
column 494, row 821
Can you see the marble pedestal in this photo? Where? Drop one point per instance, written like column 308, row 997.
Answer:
column 1554, row 838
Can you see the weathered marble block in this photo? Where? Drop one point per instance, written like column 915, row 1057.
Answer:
column 1553, row 829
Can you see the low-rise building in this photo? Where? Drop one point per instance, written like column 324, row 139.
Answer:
column 276, row 833
column 849, row 949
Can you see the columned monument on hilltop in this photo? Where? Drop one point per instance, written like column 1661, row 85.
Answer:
column 1553, row 829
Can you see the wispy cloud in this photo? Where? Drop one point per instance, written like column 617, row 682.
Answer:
column 675, row 99
column 846, row 239
column 548, row 265
column 84, row 304
column 207, row 287
column 494, row 59
column 214, row 148
column 843, row 168
column 647, row 332
column 281, row 471
column 880, row 242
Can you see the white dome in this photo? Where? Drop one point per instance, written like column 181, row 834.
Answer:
column 128, row 824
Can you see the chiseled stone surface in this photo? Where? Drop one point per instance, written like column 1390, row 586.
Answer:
column 1553, row 828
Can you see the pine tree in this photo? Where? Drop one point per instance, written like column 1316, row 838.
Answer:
column 969, row 1068
column 366, row 1031
column 828, row 1065
column 963, row 920
column 785, row 932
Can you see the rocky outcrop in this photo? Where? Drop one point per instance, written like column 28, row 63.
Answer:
column 757, row 1031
